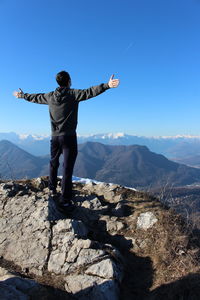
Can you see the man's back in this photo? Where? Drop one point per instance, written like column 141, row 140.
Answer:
column 63, row 106
column 63, row 110
column 63, row 102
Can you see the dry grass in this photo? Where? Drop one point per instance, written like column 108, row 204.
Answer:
column 171, row 245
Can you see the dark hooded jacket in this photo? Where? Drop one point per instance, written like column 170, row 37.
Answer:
column 63, row 106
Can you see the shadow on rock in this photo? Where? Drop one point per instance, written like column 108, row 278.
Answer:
column 100, row 217
column 23, row 289
column 53, row 213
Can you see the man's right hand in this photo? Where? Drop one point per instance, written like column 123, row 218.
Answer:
column 113, row 83
column 19, row 94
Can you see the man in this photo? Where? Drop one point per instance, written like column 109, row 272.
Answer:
column 63, row 109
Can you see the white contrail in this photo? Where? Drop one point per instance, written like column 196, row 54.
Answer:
column 129, row 47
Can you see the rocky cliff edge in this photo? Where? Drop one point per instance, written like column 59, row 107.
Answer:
column 117, row 244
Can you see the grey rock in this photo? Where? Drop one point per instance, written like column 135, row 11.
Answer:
column 25, row 229
column 114, row 226
column 77, row 227
column 88, row 256
column 56, row 261
column 146, row 220
column 40, row 183
column 65, row 246
column 15, row 287
column 92, row 204
column 39, row 240
column 76, row 248
column 91, row 287
column 108, row 191
column 105, row 269
column 9, row 189
column 79, row 283
column 89, row 187
column 117, row 198
column 89, row 209
column 94, row 208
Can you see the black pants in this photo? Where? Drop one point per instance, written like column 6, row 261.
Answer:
column 66, row 145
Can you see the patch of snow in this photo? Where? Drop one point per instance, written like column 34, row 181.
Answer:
column 88, row 180
column 33, row 136
column 84, row 180
column 40, row 137
column 23, row 136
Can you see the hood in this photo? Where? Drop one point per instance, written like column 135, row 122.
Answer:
column 60, row 94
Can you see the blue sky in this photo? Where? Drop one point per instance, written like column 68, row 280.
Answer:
column 153, row 46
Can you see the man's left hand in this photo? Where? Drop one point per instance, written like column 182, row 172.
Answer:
column 113, row 83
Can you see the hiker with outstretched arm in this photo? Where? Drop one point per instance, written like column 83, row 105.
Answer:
column 63, row 109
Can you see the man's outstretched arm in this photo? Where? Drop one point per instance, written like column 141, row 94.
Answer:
column 94, row 91
column 35, row 98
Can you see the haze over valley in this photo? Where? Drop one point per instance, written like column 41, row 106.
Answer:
column 183, row 149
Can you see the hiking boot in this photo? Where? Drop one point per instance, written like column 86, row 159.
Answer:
column 65, row 208
column 65, row 205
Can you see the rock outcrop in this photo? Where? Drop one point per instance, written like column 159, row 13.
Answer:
column 36, row 237
column 114, row 245
column 14, row 287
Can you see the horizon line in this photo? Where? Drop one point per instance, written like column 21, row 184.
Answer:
column 114, row 135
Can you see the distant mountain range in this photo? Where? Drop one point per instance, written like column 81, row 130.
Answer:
column 133, row 166
column 16, row 163
column 179, row 147
column 36, row 145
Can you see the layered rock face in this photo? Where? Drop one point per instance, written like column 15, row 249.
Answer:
column 36, row 237
column 99, row 251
